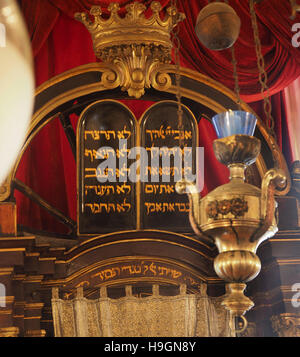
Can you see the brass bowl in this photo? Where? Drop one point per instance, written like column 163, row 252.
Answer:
column 237, row 149
column 237, row 266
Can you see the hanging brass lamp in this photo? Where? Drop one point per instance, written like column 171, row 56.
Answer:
column 218, row 26
column 237, row 217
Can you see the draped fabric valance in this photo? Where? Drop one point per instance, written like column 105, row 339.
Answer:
column 275, row 26
column 184, row 315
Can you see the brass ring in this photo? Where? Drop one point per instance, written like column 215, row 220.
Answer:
column 244, row 327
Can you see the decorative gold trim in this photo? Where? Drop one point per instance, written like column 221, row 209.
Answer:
column 132, row 281
column 6, row 312
column 6, row 271
column 103, row 263
column 16, row 239
column 91, row 67
column 47, row 259
column 33, row 279
column 144, row 230
column 288, row 261
column 135, row 240
column 8, row 299
column 32, row 254
column 9, row 332
column 7, row 250
column 35, row 333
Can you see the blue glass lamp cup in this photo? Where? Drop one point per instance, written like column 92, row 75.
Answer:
column 234, row 122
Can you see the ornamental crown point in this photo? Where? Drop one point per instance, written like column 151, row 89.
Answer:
column 134, row 28
column 134, row 45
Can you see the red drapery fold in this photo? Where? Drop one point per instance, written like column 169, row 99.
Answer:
column 41, row 17
column 61, row 43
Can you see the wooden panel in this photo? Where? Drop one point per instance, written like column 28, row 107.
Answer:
column 8, row 220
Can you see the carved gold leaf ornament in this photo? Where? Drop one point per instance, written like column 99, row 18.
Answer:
column 133, row 45
column 237, row 207
column 286, row 325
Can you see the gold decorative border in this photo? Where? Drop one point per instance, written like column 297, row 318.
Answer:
column 90, row 268
column 95, row 238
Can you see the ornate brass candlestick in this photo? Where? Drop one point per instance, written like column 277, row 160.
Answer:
column 236, row 216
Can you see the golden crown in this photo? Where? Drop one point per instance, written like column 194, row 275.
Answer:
column 134, row 28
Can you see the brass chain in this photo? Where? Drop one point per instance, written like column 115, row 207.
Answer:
column 263, row 77
column 235, row 76
column 235, row 72
column 176, row 46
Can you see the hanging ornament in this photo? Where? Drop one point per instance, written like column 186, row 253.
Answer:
column 218, row 26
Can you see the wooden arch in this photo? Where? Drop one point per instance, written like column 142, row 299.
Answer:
column 89, row 83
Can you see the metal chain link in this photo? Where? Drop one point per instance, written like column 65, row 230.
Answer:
column 176, row 46
column 263, row 77
column 235, row 72
column 235, row 76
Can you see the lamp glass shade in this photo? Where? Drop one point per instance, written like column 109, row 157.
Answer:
column 234, row 122
column 16, row 84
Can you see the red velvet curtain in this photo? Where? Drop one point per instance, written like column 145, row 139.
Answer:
column 60, row 43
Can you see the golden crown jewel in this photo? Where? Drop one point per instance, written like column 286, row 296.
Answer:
column 134, row 28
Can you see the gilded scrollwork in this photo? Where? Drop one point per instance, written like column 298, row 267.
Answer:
column 110, row 78
column 286, row 325
column 135, row 68
column 5, row 189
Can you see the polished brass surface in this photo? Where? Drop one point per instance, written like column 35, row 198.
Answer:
column 218, row 26
column 237, row 265
column 235, row 300
column 236, row 216
column 133, row 45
